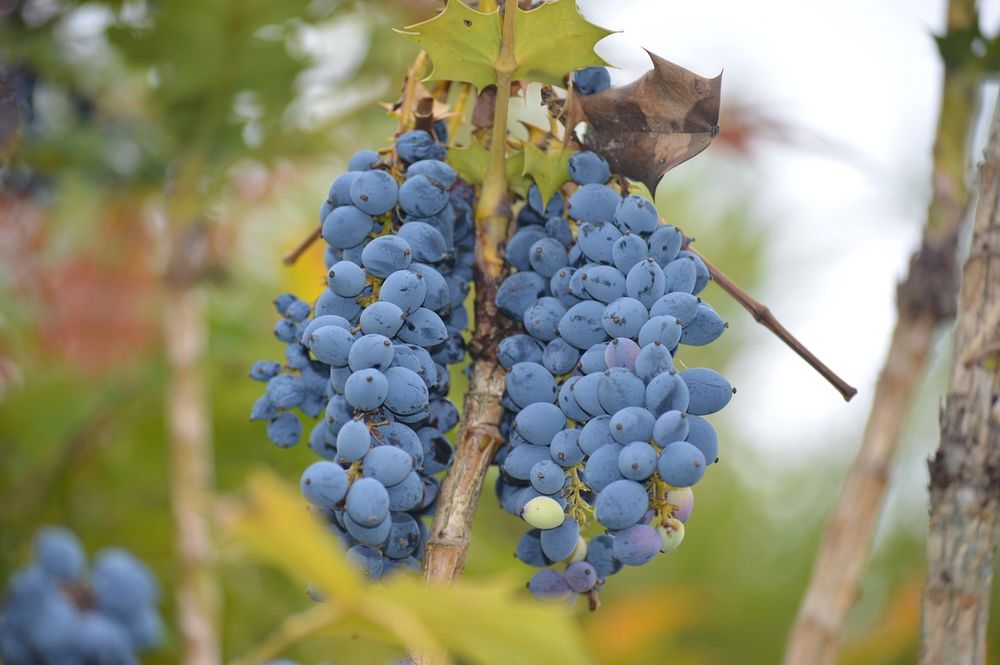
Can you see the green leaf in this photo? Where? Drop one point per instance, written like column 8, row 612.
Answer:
column 639, row 189
column 517, row 182
column 550, row 42
column 553, row 40
column 470, row 164
column 547, row 165
column 957, row 47
column 463, row 44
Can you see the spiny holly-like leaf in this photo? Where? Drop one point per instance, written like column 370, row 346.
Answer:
column 470, row 164
column 546, row 161
column 648, row 127
column 550, row 42
column 553, row 40
column 517, row 182
column 463, row 44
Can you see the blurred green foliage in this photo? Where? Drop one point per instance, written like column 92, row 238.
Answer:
column 213, row 85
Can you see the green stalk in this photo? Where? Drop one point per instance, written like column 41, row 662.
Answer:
column 493, row 210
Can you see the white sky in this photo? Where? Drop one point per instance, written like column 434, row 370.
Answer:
column 862, row 73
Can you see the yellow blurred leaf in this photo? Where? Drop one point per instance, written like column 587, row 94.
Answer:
column 278, row 527
column 487, row 623
column 480, row 622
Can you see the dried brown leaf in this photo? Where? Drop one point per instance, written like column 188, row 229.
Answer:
column 651, row 125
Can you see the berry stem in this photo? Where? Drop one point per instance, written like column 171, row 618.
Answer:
column 578, row 508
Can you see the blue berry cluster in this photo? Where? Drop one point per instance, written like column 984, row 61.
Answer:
column 56, row 612
column 371, row 355
column 603, row 419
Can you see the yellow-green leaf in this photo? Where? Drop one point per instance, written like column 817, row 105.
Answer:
column 548, row 166
column 550, row 41
column 470, row 164
column 516, row 180
column 463, row 44
column 486, row 623
column 553, row 40
column 640, row 189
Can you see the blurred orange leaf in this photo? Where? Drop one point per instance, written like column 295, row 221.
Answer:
column 622, row 631
column 894, row 634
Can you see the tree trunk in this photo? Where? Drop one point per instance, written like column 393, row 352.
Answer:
column 965, row 472
column 189, row 431
column 925, row 300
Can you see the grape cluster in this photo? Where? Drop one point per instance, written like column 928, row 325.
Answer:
column 372, row 353
column 57, row 613
column 601, row 420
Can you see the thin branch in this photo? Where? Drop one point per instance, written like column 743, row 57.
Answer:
column 925, row 299
column 301, row 248
column 423, row 115
column 763, row 316
column 189, row 430
column 965, row 472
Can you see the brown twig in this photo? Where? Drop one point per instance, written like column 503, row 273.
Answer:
column 423, row 114
column 763, row 316
column 300, row 249
column 925, row 299
column 965, row 472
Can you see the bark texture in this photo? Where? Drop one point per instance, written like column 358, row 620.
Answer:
column 965, row 472
column 925, row 300
column 479, row 434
